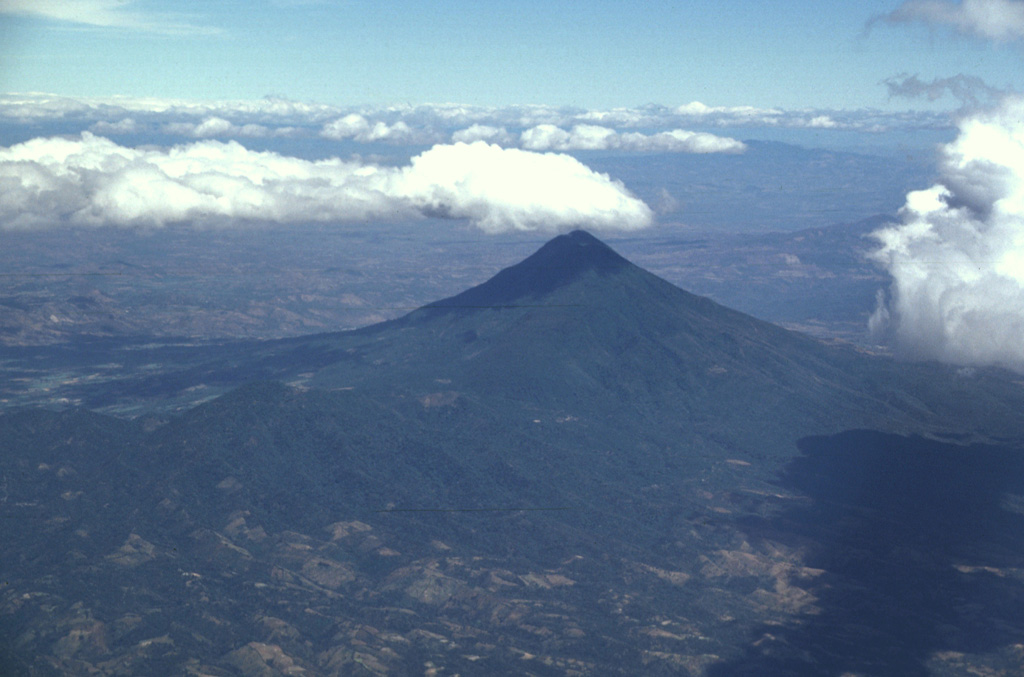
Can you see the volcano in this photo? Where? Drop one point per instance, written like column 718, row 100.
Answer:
column 572, row 468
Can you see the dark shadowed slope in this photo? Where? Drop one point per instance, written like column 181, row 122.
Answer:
column 916, row 547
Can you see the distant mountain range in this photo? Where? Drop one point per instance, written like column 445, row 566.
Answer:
column 574, row 468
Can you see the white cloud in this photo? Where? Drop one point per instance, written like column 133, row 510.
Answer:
column 213, row 126
column 682, row 141
column 39, row 107
column 347, row 127
column 473, row 133
column 617, row 117
column 355, row 126
column 428, row 123
column 822, row 122
column 545, row 137
column 732, row 115
column 957, row 259
column 510, row 189
column 122, row 126
column 92, row 181
column 1000, row 20
column 106, row 14
column 594, row 137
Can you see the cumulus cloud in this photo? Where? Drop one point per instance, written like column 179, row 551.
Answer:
column 552, row 137
column 502, row 189
column 92, row 181
column 122, row 126
column 426, row 123
column 742, row 116
column 213, row 126
column 272, row 111
column 595, row 137
column 822, row 122
column 1000, row 20
column 681, row 141
column 698, row 109
column 498, row 135
column 355, row 126
column 957, row 258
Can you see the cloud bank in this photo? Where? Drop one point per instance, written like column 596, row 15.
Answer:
column 669, row 128
column 595, row 137
column 92, row 181
column 957, row 259
column 999, row 20
column 208, row 127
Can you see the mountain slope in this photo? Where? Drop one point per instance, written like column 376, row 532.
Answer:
column 576, row 327
column 573, row 468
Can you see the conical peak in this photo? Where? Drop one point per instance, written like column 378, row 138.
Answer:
column 578, row 251
column 559, row 262
column 565, row 258
column 578, row 238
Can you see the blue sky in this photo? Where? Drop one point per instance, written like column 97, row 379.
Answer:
column 591, row 55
